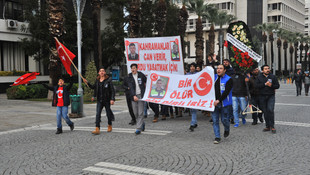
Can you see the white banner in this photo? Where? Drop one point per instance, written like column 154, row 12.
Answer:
column 190, row 91
column 162, row 54
column 240, row 45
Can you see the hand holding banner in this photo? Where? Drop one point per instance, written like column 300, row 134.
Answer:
column 190, row 91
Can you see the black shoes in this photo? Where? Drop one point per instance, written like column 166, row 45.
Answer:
column 132, row 122
column 226, row 134
column 217, row 140
column 211, row 120
column 191, row 128
column 254, row 122
column 261, row 119
column 72, row 127
column 266, row 129
column 59, row 131
column 232, row 121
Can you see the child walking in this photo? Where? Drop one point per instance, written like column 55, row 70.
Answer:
column 61, row 101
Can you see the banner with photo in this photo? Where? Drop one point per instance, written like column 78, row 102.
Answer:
column 162, row 54
column 190, row 91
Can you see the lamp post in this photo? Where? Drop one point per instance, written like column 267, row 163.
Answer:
column 275, row 37
column 79, row 8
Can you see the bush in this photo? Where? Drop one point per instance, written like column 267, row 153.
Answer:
column 26, row 91
column 6, row 73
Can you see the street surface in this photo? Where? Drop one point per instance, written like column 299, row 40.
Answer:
column 29, row 145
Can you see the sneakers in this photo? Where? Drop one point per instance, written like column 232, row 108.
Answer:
column 243, row 121
column 137, row 132
column 195, row 125
column 254, row 122
column 59, row 131
column 191, row 128
column 143, row 127
column 236, row 125
column 211, row 120
column 226, row 134
column 217, row 140
column 266, row 129
column 273, row 130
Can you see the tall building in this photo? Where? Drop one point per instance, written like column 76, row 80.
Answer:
column 289, row 14
column 307, row 15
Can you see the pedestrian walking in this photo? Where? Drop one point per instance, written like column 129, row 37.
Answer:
column 254, row 91
column 298, row 78
column 128, row 100
column 267, row 83
column 105, row 94
column 230, row 72
column 137, row 83
column 223, row 100
column 193, row 125
column 239, row 97
column 61, row 100
column 307, row 82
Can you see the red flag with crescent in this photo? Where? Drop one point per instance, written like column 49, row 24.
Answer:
column 24, row 79
column 65, row 56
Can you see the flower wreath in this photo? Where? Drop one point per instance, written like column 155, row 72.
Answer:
column 240, row 60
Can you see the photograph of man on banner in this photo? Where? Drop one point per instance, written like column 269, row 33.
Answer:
column 159, row 88
column 175, row 55
column 132, row 55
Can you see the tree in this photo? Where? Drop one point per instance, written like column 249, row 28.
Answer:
column 292, row 38
column 182, row 22
column 96, row 7
column 212, row 16
column 263, row 28
column 172, row 28
column 160, row 17
column 90, row 75
column 223, row 18
column 147, row 22
column 134, row 18
column 271, row 28
column 284, row 36
column 198, row 7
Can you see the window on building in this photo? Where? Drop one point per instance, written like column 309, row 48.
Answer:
column 204, row 23
column 191, row 23
column 228, row 6
column 274, row 6
column 279, row 6
column 13, row 10
column 224, row 5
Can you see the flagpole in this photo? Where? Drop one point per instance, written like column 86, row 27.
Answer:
column 69, row 58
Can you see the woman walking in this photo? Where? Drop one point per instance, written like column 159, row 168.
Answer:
column 105, row 93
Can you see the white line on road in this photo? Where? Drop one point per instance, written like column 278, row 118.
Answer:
column 126, row 169
column 107, row 171
column 291, row 104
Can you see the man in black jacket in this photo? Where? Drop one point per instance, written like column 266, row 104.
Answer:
column 254, row 91
column 298, row 78
column 128, row 100
column 267, row 84
column 137, row 83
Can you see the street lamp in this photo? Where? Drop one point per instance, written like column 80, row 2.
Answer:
column 79, row 8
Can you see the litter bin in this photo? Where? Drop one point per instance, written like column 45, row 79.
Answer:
column 75, row 104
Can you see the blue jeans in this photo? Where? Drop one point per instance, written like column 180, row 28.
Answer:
column 267, row 103
column 194, row 117
column 62, row 111
column 238, row 102
column 224, row 112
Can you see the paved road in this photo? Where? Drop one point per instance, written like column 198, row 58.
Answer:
column 28, row 144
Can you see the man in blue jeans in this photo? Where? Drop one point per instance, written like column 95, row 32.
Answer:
column 267, row 85
column 239, row 97
column 192, row 70
column 223, row 101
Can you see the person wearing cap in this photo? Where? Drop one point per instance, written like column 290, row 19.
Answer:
column 307, row 82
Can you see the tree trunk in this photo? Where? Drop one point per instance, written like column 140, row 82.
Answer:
column 161, row 14
column 182, row 22
column 296, row 50
column 291, row 60
column 264, row 39
column 134, row 18
column 97, row 34
column 306, row 55
column 212, row 38
column 56, row 21
column 285, row 54
column 279, row 43
column 271, row 39
column 199, row 42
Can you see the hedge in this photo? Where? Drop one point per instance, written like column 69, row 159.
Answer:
column 26, row 91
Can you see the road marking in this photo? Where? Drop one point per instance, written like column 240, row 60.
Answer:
column 287, row 123
column 294, row 96
column 110, row 168
column 291, row 104
column 104, row 129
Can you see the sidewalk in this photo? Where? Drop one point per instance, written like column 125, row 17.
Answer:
column 15, row 114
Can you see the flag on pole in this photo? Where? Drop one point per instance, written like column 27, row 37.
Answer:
column 65, row 56
column 24, row 79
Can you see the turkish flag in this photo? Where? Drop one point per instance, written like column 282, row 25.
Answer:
column 64, row 55
column 25, row 78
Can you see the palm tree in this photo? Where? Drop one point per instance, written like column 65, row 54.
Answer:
column 285, row 46
column 96, row 7
column 56, row 21
column 212, row 16
column 263, row 28
column 160, row 17
column 292, row 38
column 182, row 22
column 222, row 19
column 271, row 28
column 198, row 7
column 134, row 18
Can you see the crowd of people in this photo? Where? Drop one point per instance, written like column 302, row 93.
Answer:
column 235, row 93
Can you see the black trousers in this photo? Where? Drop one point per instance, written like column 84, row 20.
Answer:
column 108, row 110
column 298, row 87
column 155, row 108
column 255, row 102
column 129, row 105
